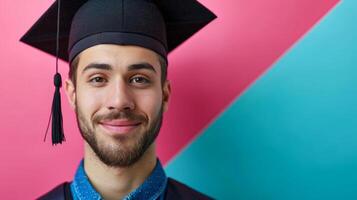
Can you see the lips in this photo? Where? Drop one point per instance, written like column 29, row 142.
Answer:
column 119, row 127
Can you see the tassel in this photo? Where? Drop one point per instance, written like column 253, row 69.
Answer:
column 57, row 122
column 56, row 114
column 56, row 111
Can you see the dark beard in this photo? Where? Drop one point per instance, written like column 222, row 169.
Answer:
column 119, row 157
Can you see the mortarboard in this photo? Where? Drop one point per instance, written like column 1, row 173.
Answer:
column 158, row 25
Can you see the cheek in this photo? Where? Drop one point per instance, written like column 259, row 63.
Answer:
column 88, row 101
column 149, row 102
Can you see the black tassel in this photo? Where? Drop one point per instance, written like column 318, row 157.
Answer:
column 56, row 111
column 56, row 114
column 57, row 122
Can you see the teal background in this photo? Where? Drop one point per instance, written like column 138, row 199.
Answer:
column 293, row 133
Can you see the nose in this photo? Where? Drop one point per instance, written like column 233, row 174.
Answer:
column 120, row 97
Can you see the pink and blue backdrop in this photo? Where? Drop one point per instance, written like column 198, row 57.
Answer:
column 264, row 104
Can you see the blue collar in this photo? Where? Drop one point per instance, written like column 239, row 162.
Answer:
column 152, row 189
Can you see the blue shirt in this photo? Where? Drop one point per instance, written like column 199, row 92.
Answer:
column 153, row 187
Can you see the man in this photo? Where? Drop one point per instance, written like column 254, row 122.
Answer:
column 117, row 50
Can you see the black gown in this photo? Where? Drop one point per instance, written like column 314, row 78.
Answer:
column 174, row 191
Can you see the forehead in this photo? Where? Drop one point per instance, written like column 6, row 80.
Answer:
column 118, row 56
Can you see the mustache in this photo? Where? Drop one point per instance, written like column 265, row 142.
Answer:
column 115, row 115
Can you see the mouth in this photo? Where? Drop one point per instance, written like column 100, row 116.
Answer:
column 119, row 127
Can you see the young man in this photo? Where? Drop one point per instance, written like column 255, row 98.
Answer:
column 117, row 50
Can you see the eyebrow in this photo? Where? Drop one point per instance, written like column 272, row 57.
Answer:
column 133, row 67
column 101, row 66
column 143, row 65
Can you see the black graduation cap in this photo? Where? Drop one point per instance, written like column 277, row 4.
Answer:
column 134, row 22
column 159, row 25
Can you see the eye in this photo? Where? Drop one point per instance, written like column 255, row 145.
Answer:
column 97, row 80
column 139, row 79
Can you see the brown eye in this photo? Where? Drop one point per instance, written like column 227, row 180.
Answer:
column 139, row 79
column 97, row 80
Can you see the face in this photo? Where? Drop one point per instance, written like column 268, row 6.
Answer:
column 119, row 101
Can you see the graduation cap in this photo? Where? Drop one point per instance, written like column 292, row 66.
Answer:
column 158, row 25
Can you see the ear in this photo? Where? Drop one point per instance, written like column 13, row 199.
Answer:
column 71, row 93
column 166, row 92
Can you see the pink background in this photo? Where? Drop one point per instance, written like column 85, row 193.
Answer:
column 247, row 38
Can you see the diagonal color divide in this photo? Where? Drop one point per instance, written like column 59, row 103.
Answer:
column 215, row 66
column 292, row 134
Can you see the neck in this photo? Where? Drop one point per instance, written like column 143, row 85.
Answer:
column 117, row 182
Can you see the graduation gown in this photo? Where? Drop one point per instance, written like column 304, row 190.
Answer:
column 174, row 191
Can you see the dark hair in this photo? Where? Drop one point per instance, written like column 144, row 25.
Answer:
column 72, row 74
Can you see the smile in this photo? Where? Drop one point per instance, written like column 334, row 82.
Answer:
column 119, row 127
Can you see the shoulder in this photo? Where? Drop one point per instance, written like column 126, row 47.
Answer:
column 178, row 190
column 60, row 192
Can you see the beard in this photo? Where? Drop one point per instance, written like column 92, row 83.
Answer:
column 116, row 154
